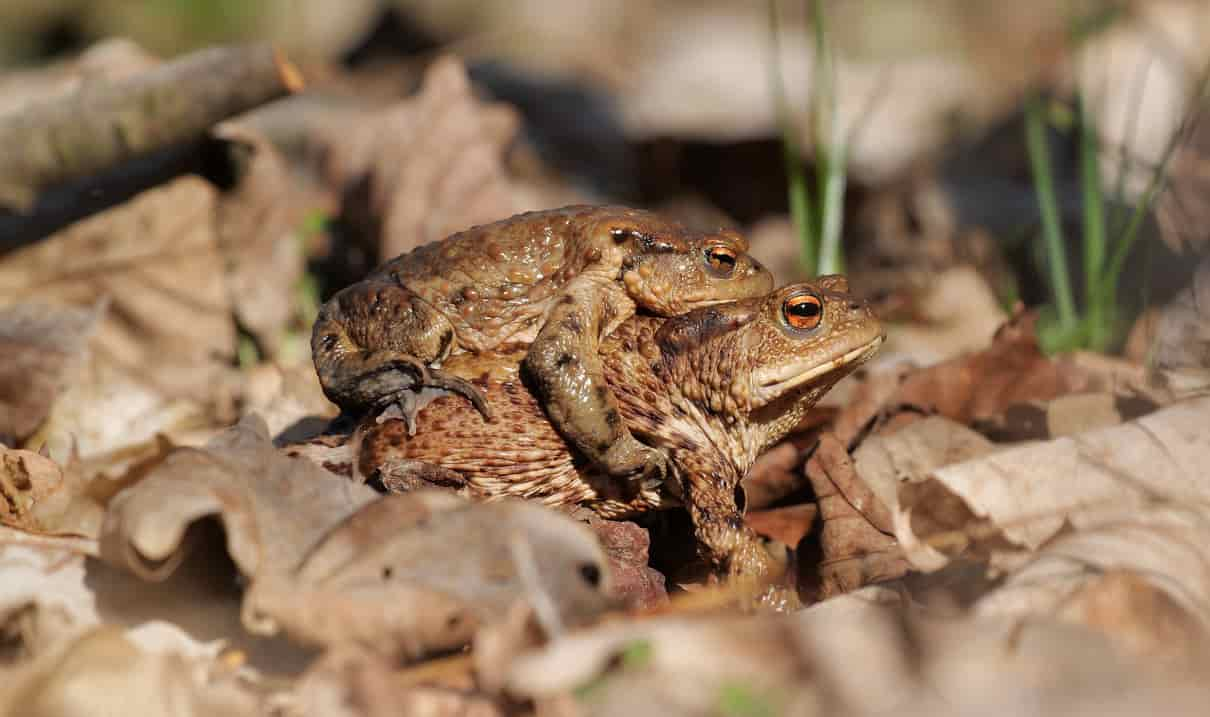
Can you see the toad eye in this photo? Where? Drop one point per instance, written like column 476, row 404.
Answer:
column 721, row 260
column 802, row 312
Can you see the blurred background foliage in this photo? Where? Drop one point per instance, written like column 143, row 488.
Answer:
column 671, row 102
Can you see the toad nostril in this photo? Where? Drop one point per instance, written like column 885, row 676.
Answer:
column 854, row 305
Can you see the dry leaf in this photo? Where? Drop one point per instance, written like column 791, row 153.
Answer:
column 43, row 596
column 957, row 314
column 429, row 166
column 413, row 573
column 41, row 347
column 1182, row 338
column 980, row 385
column 787, row 525
column 910, row 663
column 274, row 508
column 27, row 479
column 362, row 684
column 855, row 544
column 167, row 335
column 102, row 672
column 1030, row 492
column 255, row 223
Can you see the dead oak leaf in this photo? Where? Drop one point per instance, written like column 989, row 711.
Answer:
column 43, row 595
column 255, row 224
column 855, row 545
column 1012, row 369
column 273, row 507
column 26, row 480
column 418, row 572
column 41, row 346
column 1032, row 493
column 429, row 166
column 104, row 672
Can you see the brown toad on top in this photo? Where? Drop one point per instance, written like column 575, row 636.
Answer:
column 713, row 388
column 556, row 281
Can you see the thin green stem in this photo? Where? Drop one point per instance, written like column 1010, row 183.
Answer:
column 831, row 155
column 799, row 195
column 1097, row 313
column 1052, row 230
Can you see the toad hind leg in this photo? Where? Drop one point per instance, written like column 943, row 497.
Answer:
column 374, row 344
column 564, row 363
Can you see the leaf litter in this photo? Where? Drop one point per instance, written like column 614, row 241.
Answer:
column 977, row 527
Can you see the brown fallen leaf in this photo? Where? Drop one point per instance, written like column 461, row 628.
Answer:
column 852, row 655
column 888, row 458
column 167, row 333
column 1018, row 499
column 1063, row 416
column 255, row 225
column 41, row 348
column 1139, row 580
column 787, row 525
column 103, row 672
column 980, row 385
column 350, row 683
column 956, row 313
column 26, row 479
column 43, row 596
column 413, row 573
column 274, row 508
column 1182, row 337
column 778, row 472
column 855, row 544
column 429, row 166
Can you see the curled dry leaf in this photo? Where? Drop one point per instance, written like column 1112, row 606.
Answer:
column 102, row 672
column 352, row 683
column 255, row 223
column 41, row 347
column 167, row 333
column 43, row 596
column 956, row 313
column 413, row 573
column 1030, row 492
column 290, row 400
column 429, row 166
column 788, row 524
column 980, row 385
column 273, row 507
column 1182, row 339
column 910, row 663
column 855, row 543
column 27, row 480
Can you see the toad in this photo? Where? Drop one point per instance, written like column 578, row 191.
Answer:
column 714, row 388
column 555, row 282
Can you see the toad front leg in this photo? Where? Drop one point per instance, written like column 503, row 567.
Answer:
column 564, row 364
column 374, row 344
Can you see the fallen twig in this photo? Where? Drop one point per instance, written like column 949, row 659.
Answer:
column 103, row 124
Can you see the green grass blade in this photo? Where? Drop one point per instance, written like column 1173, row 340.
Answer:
column 799, row 194
column 1052, row 229
column 830, row 151
column 831, row 259
column 1098, row 315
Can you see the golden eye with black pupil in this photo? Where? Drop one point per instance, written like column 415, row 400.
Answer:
column 802, row 312
column 721, row 259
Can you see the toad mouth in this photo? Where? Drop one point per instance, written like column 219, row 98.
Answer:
column 853, row 357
